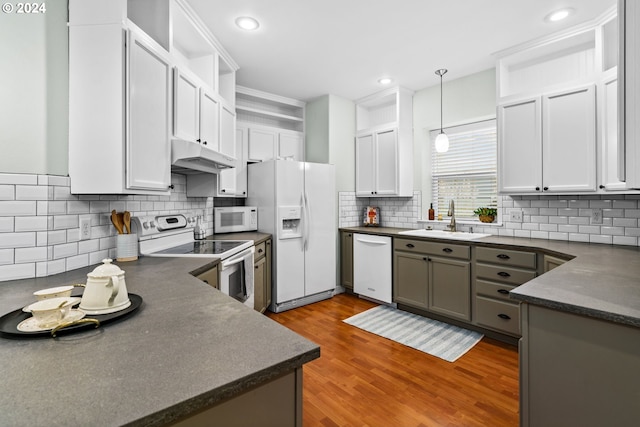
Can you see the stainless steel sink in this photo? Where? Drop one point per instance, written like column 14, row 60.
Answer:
column 440, row 234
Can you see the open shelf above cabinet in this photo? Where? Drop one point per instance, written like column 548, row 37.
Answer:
column 266, row 109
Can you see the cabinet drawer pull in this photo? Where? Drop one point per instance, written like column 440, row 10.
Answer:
column 503, row 274
column 410, row 245
column 260, row 250
column 504, row 316
column 503, row 291
column 447, row 250
column 503, row 256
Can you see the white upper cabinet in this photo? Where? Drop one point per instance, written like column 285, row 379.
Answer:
column 384, row 144
column 520, row 146
column 569, row 141
column 274, row 125
column 119, row 111
column 629, row 92
column 555, row 135
column 124, row 103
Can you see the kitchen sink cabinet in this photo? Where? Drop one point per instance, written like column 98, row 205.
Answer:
column 384, row 144
column 548, row 143
column 346, row 259
column 262, row 276
column 119, row 111
column 433, row 276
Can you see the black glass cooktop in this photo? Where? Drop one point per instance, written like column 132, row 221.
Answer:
column 202, row 247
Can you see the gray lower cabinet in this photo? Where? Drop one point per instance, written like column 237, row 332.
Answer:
column 211, row 277
column 433, row 276
column 262, row 277
column 346, row 259
column 577, row 370
column 497, row 271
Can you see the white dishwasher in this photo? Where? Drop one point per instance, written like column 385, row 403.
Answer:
column 372, row 266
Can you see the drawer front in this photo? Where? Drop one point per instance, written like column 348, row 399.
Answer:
column 499, row 315
column 493, row 289
column 499, row 273
column 506, row 257
column 433, row 248
column 261, row 251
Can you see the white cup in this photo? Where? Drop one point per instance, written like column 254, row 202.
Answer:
column 57, row 292
column 51, row 311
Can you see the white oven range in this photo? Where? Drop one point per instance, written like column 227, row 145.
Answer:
column 172, row 236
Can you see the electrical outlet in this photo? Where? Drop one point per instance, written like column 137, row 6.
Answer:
column 515, row 216
column 596, row 216
column 85, row 228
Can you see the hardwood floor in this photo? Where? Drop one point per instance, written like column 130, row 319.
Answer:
column 362, row 379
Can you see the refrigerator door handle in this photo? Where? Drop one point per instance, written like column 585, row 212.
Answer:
column 304, row 220
column 307, row 221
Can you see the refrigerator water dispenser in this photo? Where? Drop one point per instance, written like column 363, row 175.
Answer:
column 290, row 222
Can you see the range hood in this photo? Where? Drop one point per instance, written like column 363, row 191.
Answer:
column 190, row 157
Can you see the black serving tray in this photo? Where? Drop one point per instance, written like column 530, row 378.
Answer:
column 10, row 321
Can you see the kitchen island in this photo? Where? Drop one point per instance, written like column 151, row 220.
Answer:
column 188, row 349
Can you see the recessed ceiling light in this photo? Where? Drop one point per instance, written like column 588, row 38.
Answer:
column 247, row 23
column 385, row 80
column 558, row 15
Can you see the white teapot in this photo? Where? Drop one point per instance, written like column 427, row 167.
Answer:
column 105, row 291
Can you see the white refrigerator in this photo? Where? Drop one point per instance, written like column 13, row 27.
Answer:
column 296, row 205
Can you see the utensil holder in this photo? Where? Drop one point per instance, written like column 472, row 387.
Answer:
column 126, row 247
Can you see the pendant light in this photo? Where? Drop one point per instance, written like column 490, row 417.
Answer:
column 442, row 140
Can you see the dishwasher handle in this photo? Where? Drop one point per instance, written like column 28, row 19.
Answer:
column 373, row 242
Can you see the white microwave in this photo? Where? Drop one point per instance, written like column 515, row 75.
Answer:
column 234, row 219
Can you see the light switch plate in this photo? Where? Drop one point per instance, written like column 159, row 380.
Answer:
column 515, row 216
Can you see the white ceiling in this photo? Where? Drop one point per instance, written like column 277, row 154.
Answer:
column 308, row 48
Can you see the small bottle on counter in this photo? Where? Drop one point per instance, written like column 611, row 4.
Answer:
column 431, row 213
column 199, row 231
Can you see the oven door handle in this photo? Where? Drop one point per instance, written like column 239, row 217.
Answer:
column 237, row 259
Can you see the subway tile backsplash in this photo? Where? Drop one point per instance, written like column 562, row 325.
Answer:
column 543, row 217
column 40, row 219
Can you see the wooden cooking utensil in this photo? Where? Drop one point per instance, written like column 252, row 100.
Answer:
column 116, row 219
column 127, row 221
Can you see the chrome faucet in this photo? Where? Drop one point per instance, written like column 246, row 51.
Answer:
column 452, row 214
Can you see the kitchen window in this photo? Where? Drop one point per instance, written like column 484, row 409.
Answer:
column 465, row 173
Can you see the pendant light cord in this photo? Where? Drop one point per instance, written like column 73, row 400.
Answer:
column 440, row 73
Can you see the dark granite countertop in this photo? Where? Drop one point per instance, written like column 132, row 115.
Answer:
column 601, row 281
column 188, row 347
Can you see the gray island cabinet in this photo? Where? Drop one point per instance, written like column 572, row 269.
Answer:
column 190, row 356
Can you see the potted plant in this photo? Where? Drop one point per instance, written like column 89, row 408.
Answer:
column 486, row 214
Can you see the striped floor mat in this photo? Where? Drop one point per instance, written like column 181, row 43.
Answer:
column 439, row 339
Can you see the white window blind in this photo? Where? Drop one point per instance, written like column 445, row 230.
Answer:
column 465, row 173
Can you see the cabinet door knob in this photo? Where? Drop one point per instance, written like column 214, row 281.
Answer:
column 504, row 316
column 602, row 187
column 545, row 188
column 204, row 142
column 198, row 140
column 537, row 188
column 171, row 187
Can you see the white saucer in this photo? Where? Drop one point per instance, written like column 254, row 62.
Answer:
column 30, row 324
column 108, row 310
column 75, row 301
